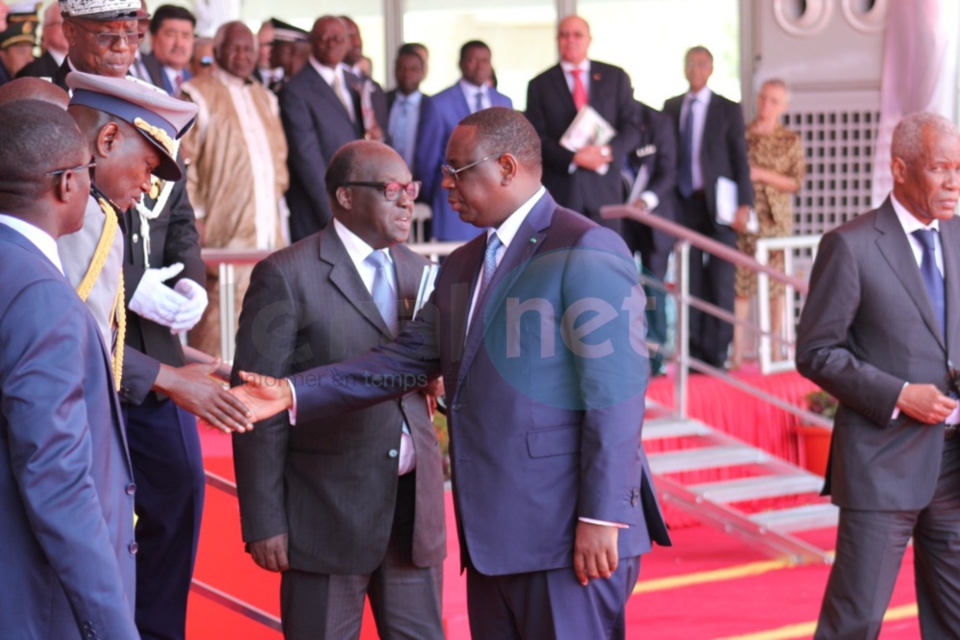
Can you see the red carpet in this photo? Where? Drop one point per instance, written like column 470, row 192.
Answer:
column 708, row 585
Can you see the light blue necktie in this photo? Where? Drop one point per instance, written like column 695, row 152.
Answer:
column 401, row 136
column 489, row 263
column 479, row 102
column 382, row 291
column 932, row 278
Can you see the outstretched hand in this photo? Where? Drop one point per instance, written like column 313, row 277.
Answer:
column 265, row 396
column 193, row 388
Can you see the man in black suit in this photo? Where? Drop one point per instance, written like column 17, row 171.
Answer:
column 414, row 125
column 712, row 148
column 53, row 43
column 589, row 178
column 880, row 331
column 320, row 113
column 373, row 100
column 650, row 172
column 353, row 505
column 171, row 42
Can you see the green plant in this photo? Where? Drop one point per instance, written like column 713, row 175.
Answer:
column 822, row 403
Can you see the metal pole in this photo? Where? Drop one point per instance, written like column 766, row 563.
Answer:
column 682, row 256
column 227, row 306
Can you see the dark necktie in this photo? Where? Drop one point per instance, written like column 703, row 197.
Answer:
column 685, row 177
column 381, row 291
column 932, row 278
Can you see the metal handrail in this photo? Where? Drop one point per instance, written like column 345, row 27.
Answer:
column 687, row 238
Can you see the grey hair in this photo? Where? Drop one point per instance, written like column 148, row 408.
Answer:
column 221, row 34
column 778, row 83
column 907, row 143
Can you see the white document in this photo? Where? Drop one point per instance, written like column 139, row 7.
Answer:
column 639, row 185
column 727, row 205
column 588, row 128
column 427, row 282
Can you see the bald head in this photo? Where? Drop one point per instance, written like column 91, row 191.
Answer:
column 33, row 89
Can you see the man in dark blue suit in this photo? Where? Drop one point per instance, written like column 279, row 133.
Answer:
column 469, row 95
column 537, row 329
column 66, row 483
column 414, row 125
column 712, row 147
column 650, row 172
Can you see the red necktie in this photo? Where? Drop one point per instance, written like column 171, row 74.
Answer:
column 579, row 91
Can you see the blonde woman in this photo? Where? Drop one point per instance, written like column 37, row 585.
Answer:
column 777, row 169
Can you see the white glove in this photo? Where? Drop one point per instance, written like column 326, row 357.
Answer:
column 191, row 311
column 156, row 301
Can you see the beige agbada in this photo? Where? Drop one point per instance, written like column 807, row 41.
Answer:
column 236, row 178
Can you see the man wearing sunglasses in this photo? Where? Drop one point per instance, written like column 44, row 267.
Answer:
column 351, row 505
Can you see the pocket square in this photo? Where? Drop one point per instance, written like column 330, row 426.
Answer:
column 647, row 150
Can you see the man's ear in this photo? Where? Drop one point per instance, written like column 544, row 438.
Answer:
column 898, row 168
column 68, row 187
column 108, row 139
column 509, row 167
column 345, row 198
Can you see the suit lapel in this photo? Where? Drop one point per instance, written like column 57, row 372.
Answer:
column 562, row 94
column 344, row 276
column 525, row 244
column 895, row 248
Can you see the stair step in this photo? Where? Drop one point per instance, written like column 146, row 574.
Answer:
column 769, row 486
column 705, row 458
column 667, row 428
column 810, row 516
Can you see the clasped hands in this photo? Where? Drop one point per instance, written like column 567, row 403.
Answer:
column 593, row 157
column 179, row 307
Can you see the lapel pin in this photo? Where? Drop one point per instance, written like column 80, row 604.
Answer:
column 596, row 77
column 533, row 241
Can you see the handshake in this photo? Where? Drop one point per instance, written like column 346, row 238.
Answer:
column 179, row 307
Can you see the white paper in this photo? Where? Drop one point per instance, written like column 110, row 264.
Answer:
column 588, row 128
column 639, row 185
column 727, row 205
column 427, row 281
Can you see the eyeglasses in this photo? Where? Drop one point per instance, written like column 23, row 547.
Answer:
column 332, row 39
column 391, row 190
column 108, row 39
column 89, row 167
column 450, row 172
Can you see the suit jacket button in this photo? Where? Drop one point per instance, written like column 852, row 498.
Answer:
column 393, row 453
column 131, row 489
column 135, row 238
column 133, row 547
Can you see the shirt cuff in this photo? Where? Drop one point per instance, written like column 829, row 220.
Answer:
column 896, row 410
column 292, row 411
column 604, row 523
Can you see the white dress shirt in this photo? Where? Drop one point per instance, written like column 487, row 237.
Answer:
column 470, row 92
column 332, row 77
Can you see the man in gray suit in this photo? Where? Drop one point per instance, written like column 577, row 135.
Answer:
column 352, row 505
column 66, row 483
column 881, row 331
